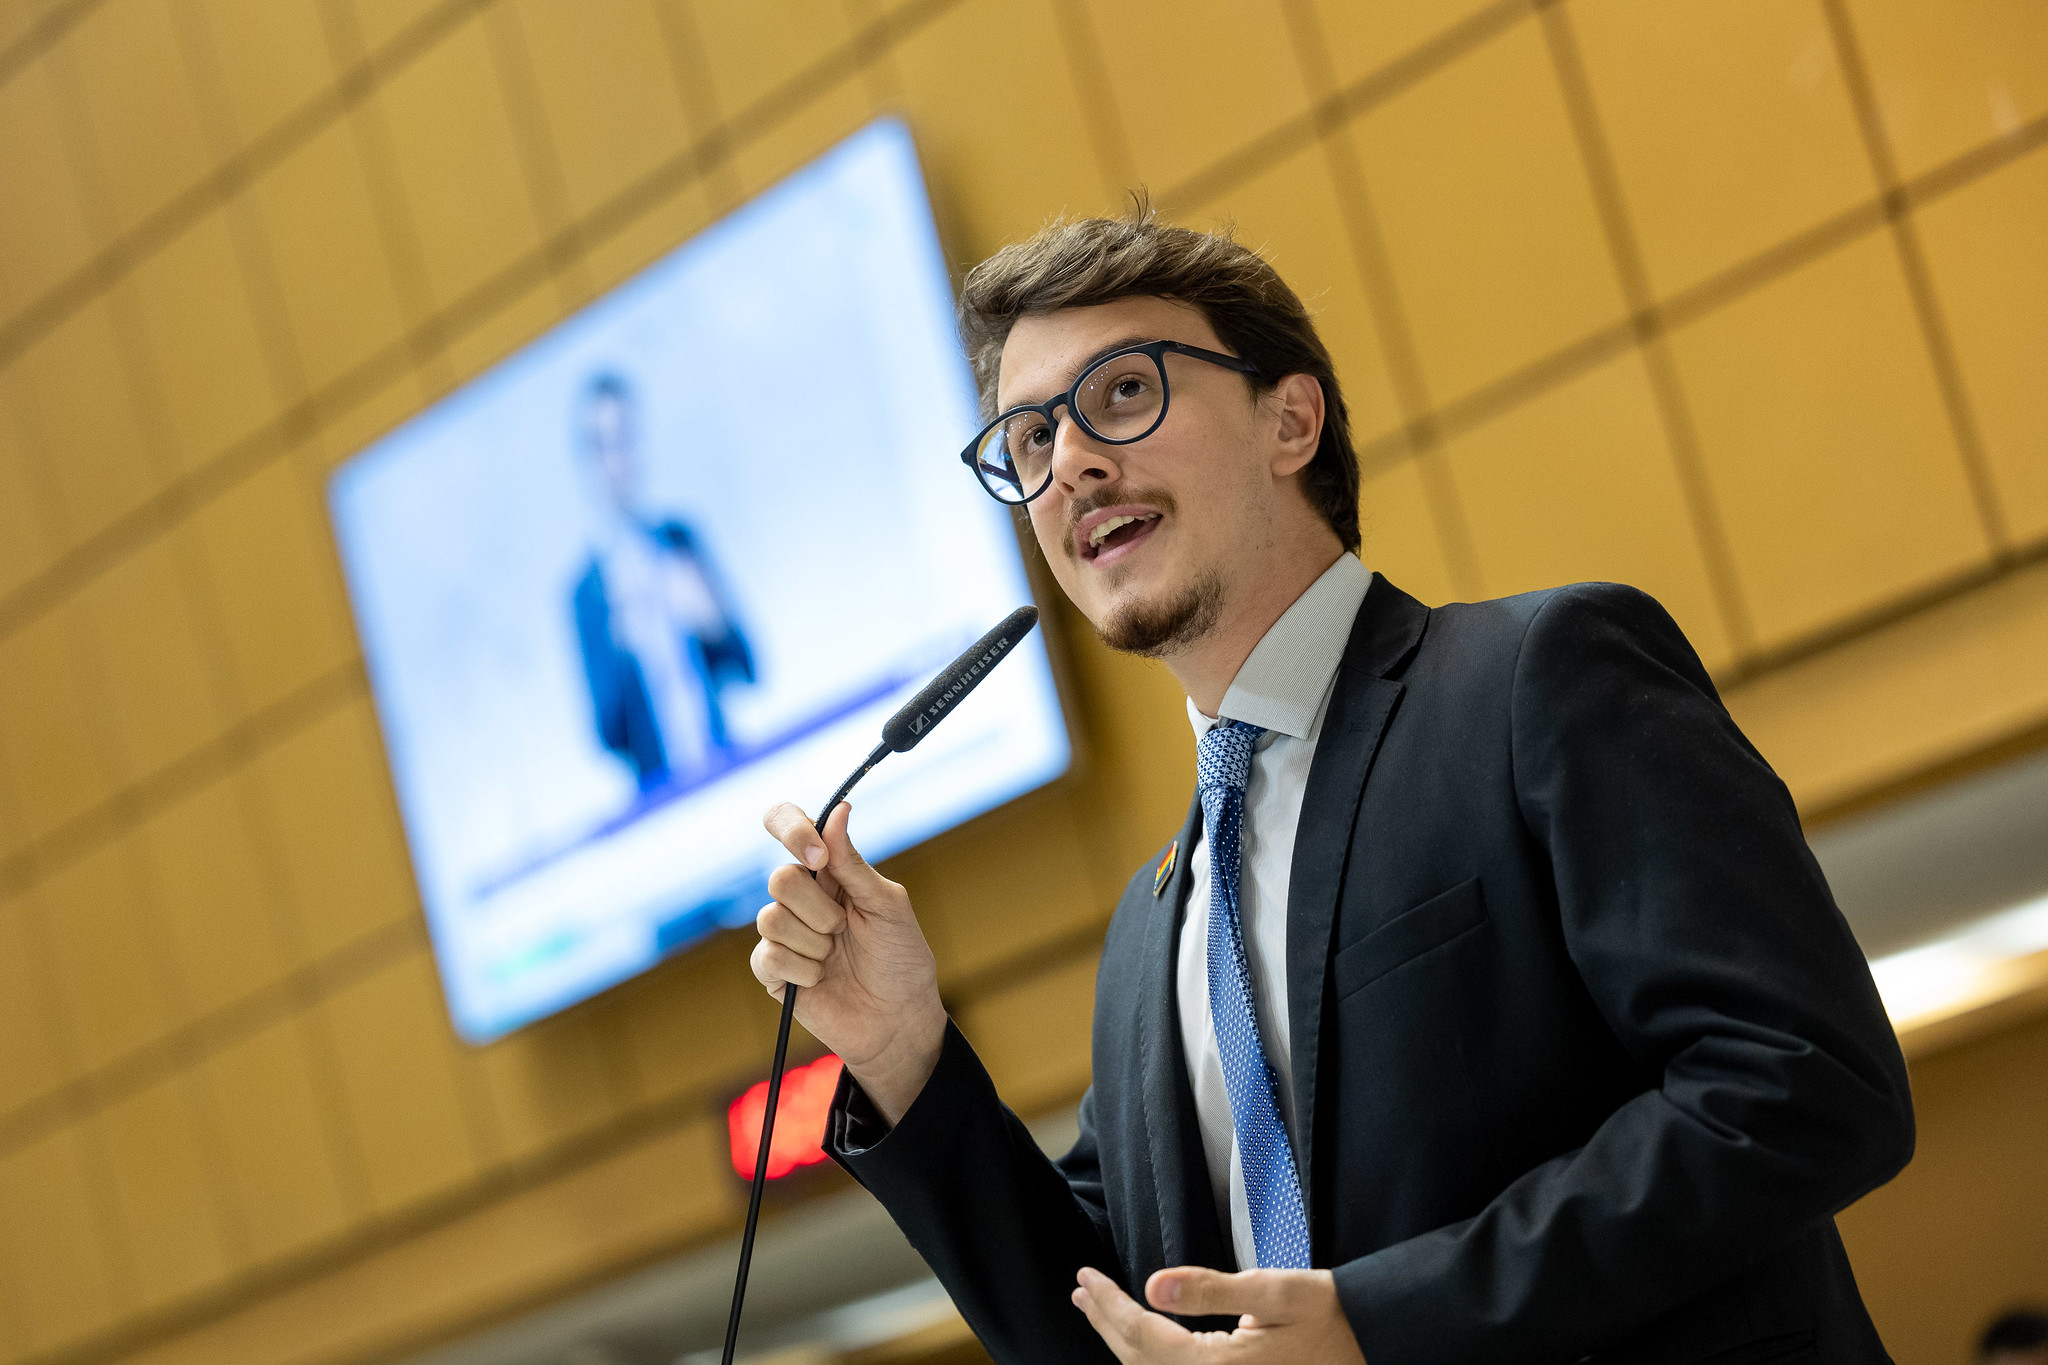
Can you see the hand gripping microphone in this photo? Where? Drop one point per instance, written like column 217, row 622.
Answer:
column 909, row 725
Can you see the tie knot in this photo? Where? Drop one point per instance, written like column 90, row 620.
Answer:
column 1223, row 757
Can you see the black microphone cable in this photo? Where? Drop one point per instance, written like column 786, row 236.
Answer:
column 909, row 725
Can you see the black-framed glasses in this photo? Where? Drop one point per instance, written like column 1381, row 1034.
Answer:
column 1122, row 398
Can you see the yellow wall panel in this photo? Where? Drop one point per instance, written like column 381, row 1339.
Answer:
column 343, row 853
column 1291, row 215
column 1953, row 76
column 222, row 931
column 398, row 1066
column 42, row 214
column 1578, row 485
column 1362, row 36
column 381, row 21
column 278, row 1147
column 1162, row 56
column 630, row 247
column 82, row 415
column 999, row 163
column 1400, row 534
column 1013, row 880
column 53, row 745
column 1730, row 126
column 554, row 1080
column 141, row 116
column 34, row 1053
column 1134, row 760
column 608, row 91
column 27, row 542
column 272, row 573
column 698, row 1020
column 1490, row 227
column 493, row 338
column 59, row 1261
column 108, row 951
column 207, row 359
column 1931, row 689
column 1987, row 247
column 161, row 690
column 270, row 57
column 1034, row 1037
column 752, row 52
column 177, row 1237
column 330, row 262
column 1826, row 442
column 796, row 137
column 658, row 1195
column 464, row 186
column 372, row 412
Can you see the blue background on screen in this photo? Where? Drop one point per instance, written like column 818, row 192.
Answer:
column 797, row 398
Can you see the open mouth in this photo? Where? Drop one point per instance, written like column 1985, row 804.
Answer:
column 1112, row 535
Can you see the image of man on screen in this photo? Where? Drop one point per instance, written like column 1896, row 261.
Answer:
column 660, row 640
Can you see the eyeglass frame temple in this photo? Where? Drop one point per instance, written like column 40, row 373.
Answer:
column 1157, row 350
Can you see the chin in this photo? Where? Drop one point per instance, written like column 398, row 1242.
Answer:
column 1163, row 621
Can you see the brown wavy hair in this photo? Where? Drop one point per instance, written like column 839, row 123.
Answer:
column 1074, row 263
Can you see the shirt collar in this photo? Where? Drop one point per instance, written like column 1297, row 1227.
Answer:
column 1286, row 678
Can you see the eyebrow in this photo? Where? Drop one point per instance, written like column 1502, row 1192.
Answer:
column 1075, row 372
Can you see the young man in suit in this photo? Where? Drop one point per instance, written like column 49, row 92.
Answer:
column 1488, row 1006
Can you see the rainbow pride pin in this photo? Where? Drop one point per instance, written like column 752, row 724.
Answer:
column 1165, row 868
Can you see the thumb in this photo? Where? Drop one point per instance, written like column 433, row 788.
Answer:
column 1196, row 1291
column 843, row 860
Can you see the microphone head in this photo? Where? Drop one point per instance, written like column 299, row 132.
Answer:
column 925, row 710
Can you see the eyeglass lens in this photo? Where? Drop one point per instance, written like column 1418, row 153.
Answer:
column 1119, row 400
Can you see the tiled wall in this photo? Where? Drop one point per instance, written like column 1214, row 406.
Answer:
column 1739, row 300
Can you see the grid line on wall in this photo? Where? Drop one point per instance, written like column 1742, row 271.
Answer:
column 1948, row 373
column 1418, row 437
column 1703, row 511
column 48, row 30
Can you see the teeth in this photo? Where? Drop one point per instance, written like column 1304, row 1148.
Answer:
column 1101, row 532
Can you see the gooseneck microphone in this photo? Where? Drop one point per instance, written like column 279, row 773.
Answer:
column 903, row 732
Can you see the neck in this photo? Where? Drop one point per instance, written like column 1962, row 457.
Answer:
column 1207, row 667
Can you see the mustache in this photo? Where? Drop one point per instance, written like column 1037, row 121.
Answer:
column 1081, row 507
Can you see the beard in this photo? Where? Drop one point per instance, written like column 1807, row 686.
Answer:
column 1160, row 627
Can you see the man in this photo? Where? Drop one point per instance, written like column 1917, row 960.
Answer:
column 659, row 638
column 1488, row 1006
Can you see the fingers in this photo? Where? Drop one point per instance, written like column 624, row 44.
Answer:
column 844, row 860
column 776, row 966
column 1132, row 1333
column 1272, row 1296
column 807, row 900
column 778, row 923
column 793, row 830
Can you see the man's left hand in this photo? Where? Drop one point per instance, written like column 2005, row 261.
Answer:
column 1289, row 1316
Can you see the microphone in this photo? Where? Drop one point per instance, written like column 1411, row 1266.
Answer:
column 904, row 730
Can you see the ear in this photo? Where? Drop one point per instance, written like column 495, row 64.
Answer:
column 1298, row 404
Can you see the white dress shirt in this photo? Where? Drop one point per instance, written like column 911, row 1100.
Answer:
column 1283, row 687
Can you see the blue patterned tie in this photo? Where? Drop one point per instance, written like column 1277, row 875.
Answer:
column 1272, row 1190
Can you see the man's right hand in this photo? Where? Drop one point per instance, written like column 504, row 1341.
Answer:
column 869, row 986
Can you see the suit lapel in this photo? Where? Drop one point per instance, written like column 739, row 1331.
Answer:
column 1180, row 1171
column 1385, row 633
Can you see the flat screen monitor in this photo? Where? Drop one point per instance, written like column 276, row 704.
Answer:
column 674, row 561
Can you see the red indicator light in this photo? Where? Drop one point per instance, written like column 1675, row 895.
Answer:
column 799, row 1119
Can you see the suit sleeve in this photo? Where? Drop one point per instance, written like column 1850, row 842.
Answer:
column 1707, row 938
column 1002, row 1227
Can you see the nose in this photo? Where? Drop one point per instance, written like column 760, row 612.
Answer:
column 1078, row 459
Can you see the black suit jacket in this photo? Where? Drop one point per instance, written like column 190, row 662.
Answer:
column 1585, row 1058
